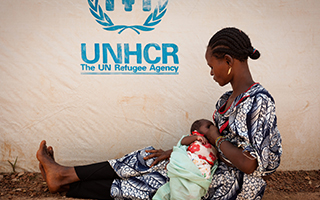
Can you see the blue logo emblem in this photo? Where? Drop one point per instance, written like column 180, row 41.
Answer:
column 105, row 21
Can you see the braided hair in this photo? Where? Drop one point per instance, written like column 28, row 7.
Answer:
column 234, row 42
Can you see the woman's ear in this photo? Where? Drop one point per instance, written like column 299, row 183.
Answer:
column 228, row 59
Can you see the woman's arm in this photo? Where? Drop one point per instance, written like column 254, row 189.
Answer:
column 160, row 154
column 243, row 161
column 164, row 155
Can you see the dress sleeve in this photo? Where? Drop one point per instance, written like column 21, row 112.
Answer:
column 263, row 134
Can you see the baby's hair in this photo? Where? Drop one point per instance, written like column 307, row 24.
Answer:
column 196, row 125
column 234, row 42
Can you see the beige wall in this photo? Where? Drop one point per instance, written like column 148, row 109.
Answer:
column 90, row 118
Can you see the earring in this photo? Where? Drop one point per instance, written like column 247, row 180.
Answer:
column 229, row 71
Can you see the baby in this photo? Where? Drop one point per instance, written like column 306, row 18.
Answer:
column 186, row 181
column 200, row 151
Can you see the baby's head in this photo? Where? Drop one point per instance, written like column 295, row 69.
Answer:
column 201, row 125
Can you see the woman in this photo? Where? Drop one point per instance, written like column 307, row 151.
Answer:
column 245, row 135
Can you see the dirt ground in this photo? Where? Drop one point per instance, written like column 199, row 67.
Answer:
column 291, row 185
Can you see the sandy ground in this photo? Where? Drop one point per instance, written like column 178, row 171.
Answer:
column 281, row 185
column 267, row 196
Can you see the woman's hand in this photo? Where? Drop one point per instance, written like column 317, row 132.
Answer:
column 160, row 154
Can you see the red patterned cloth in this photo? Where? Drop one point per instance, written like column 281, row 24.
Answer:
column 202, row 155
column 203, row 151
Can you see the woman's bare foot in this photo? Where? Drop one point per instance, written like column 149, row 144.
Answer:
column 43, row 173
column 50, row 153
column 56, row 176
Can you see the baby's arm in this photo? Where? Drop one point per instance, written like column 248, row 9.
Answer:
column 189, row 139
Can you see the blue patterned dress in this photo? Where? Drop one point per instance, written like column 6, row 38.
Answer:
column 250, row 123
column 138, row 180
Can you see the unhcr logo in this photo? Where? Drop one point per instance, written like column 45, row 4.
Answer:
column 120, row 64
column 100, row 13
column 125, row 58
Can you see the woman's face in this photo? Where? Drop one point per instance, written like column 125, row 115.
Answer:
column 219, row 68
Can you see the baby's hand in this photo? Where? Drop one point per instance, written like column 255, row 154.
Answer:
column 202, row 139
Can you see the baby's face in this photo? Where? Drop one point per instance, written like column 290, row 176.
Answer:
column 205, row 126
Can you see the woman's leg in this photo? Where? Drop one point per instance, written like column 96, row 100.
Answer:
column 96, row 171
column 98, row 189
column 89, row 181
column 58, row 177
column 96, row 180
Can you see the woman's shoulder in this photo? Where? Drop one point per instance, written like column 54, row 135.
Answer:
column 257, row 91
column 255, row 94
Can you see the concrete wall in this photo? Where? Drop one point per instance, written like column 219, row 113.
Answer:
column 45, row 93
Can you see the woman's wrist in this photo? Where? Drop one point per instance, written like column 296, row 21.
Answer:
column 219, row 141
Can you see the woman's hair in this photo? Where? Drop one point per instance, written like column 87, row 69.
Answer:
column 234, row 42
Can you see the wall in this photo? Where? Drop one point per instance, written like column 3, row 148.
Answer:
column 45, row 93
